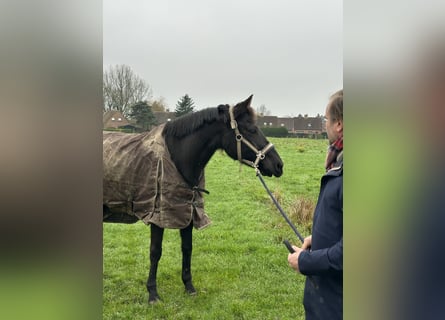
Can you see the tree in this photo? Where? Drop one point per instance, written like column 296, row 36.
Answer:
column 184, row 105
column 159, row 105
column 122, row 88
column 262, row 110
column 142, row 114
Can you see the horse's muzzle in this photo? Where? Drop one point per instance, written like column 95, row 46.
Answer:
column 272, row 165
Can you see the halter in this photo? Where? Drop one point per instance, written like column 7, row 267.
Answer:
column 260, row 154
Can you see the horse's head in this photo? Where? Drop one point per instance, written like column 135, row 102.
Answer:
column 245, row 142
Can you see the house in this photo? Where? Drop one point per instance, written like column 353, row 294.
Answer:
column 115, row 120
column 288, row 123
column 162, row 116
column 301, row 126
column 308, row 125
column 267, row 121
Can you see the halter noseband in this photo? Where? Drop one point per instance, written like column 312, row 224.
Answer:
column 260, row 154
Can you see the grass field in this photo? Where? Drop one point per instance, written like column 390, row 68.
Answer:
column 239, row 263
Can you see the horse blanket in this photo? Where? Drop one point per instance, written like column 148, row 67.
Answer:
column 141, row 180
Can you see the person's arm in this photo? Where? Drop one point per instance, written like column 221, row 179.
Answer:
column 323, row 261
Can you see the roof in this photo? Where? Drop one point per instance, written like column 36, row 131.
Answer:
column 308, row 123
column 162, row 117
column 115, row 119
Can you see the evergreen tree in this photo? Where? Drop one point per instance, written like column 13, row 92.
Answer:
column 184, row 105
column 142, row 114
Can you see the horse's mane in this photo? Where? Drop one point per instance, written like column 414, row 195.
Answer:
column 191, row 122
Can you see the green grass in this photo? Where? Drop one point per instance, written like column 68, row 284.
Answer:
column 239, row 264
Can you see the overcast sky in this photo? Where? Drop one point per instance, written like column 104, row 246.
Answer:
column 287, row 53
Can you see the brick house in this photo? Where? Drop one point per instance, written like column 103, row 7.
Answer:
column 114, row 119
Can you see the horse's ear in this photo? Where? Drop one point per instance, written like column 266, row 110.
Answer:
column 248, row 101
column 243, row 107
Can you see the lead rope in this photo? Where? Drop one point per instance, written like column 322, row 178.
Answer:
column 260, row 155
column 258, row 173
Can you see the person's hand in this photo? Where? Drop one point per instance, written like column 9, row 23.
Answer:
column 307, row 243
column 292, row 258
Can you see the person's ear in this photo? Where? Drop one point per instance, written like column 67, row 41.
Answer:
column 339, row 126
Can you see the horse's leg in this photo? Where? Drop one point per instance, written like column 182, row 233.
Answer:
column 186, row 246
column 157, row 234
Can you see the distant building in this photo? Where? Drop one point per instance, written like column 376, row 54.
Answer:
column 300, row 126
column 162, row 116
column 267, row 121
column 308, row 125
column 114, row 119
column 288, row 123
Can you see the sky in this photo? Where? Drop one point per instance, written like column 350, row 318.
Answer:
column 287, row 53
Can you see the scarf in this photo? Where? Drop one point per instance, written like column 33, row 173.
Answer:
column 334, row 151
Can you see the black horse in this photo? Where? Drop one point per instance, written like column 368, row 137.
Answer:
column 190, row 141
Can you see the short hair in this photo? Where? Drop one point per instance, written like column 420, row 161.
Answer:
column 335, row 108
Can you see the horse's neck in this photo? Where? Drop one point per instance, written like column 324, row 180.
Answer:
column 192, row 153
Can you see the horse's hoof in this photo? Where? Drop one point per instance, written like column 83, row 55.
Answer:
column 190, row 289
column 154, row 300
column 191, row 292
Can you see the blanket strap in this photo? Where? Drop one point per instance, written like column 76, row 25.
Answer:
column 198, row 189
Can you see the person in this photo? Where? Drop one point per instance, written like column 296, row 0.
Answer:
column 320, row 258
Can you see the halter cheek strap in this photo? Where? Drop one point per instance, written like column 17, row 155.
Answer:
column 260, row 154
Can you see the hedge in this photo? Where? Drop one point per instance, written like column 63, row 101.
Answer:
column 275, row 132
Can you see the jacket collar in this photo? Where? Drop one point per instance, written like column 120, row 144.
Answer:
column 337, row 169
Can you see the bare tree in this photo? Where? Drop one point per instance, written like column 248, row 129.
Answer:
column 122, row 88
column 263, row 111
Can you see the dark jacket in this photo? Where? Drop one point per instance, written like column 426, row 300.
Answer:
column 323, row 264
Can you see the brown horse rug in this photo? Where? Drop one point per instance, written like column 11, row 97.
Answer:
column 140, row 181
